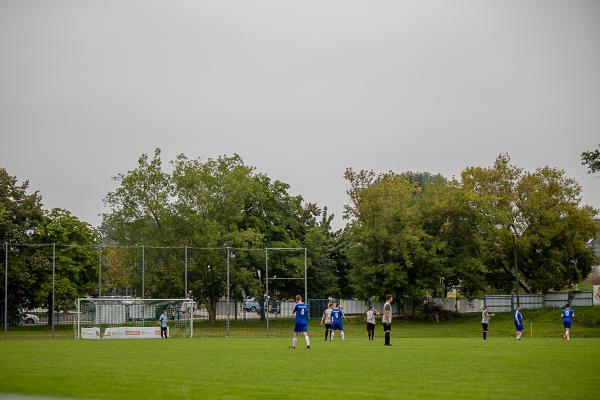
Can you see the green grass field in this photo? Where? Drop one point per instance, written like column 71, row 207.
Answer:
column 446, row 360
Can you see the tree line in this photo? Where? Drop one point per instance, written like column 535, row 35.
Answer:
column 411, row 234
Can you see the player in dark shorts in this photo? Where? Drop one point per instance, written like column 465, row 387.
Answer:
column 326, row 319
column 387, row 319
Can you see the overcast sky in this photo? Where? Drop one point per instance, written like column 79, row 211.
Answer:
column 300, row 89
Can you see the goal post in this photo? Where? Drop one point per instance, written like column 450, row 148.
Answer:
column 132, row 318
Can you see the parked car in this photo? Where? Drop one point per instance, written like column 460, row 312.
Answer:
column 251, row 306
column 26, row 318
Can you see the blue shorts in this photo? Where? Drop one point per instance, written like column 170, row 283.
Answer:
column 300, row 327
column 338, row 326
column 518, row 326
column 567, row 324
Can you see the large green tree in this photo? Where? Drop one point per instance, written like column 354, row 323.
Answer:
column 537, row 214
column 216, row 203
column 386, row 235
column 75, row 259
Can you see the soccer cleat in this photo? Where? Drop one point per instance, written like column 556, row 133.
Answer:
column 291, row 347
column 564, row 336
column 308, row 347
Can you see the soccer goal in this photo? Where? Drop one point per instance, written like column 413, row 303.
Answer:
column 131, row 318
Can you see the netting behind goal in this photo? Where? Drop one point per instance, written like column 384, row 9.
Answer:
column 130, row 318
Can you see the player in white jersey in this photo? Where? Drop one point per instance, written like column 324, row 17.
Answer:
column 485, row 319
column 370, row 321
column 326, row 319
column 387, row 319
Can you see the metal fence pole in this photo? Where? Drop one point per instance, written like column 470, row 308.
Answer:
column 306, row 278
column 185, row 273
column 267, row 287
column 5, row 291
column 53, row 284
column 516, row 268
column 143, row 272
column 228, row 301
column 100, row 271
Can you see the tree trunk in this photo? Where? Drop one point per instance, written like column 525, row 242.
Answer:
column 211, row 307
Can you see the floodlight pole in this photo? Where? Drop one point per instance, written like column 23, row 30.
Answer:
column 53, row 283
column 5, row 291
column 143, row 267
column 305, row 278
column 267, row 287
column 516, row 268
column 228, row 302
column 100, row 271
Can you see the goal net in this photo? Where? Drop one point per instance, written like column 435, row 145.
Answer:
column 131, row 318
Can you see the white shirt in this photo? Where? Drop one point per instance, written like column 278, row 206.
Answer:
column 370, row 317
column 485, row 318
column 387, row 313
column 327, row 315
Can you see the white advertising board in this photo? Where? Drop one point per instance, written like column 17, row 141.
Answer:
column 90, row 333
column 122, row 332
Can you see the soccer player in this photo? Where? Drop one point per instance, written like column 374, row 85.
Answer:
column 301, row 324
column 336, row 317
column 567, row 318
column 370, row 320
column 326, row 319
column 163, row 324
column 518, row 322
column 387, row 319
column 485, row 319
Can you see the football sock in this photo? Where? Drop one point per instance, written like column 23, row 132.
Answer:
column 342, row 334
column 294, row 340
column 332, row 334
column 307, row 340
column 484, row 334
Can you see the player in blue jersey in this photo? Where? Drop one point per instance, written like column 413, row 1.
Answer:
column 567, row 318
column 337, row 315
column 301, row 323
column 518, row 322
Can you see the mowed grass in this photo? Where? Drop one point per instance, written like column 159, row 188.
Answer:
column 261, row 368
column 428, row 360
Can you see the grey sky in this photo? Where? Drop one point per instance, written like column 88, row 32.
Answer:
column 300, row 89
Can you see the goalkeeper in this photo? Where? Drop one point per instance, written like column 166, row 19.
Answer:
column 163, row 324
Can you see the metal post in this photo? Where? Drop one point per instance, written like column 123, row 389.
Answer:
column 306, row 279
column 78, row 319
column 192, row 320
column 267, row 287
column 185, row 271
column 53, row 283
column 516, row 268
column 100, row 271
column 5, row 291
column 143, row 267
column 228, row 301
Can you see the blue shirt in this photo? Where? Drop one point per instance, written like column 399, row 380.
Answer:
column 336, row 315
column 568, row 315
column 301, row 311
column 518, row 317
column 163, row 320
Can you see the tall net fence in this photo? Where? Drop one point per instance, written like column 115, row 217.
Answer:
column 236, row 292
